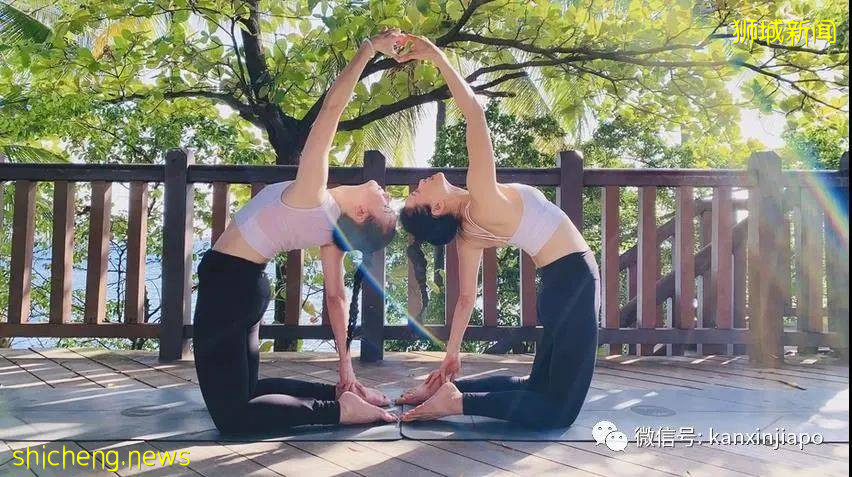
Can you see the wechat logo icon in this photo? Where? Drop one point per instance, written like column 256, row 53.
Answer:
column 605, row 432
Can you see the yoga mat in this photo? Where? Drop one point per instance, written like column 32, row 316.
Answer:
column 720, row 410
column 147, row 414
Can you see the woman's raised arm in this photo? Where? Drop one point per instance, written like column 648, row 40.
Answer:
column 482, row 171
column 312, row 176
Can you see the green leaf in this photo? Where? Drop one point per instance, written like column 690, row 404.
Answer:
column 310, row 308
column 180, row 16
column 330, row 22
column 423, row 6
column 30, row 154
column 16, row 25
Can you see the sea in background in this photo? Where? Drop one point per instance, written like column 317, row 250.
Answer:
column 41, row 276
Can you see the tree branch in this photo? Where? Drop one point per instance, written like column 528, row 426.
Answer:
column 778, row 46
column 254, row 56
column 375, row 66
column 450, row 36
column 245, row 111
column 436, row 94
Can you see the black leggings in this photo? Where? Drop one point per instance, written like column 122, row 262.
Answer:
column 233, row 294
column 568, row 304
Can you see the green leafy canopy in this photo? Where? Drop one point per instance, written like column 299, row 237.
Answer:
column 270, row 63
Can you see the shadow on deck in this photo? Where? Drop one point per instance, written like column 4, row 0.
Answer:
column 46, row 400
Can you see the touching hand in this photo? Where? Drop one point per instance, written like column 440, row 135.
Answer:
column 423, row 391
column 371, row 395
column 346, row 380
column 388, row 41
column 420, row 49
column 450, row 367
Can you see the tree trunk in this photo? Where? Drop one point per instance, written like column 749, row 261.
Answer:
column 440, row 118
column 286, row 135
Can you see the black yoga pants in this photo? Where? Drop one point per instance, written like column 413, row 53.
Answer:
column 233, row 294
column 568, row 304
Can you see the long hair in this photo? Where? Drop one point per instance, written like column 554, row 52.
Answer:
column 367, row 238
column 424, row 227
column 415, row 254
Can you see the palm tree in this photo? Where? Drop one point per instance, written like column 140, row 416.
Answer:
column 18, row 26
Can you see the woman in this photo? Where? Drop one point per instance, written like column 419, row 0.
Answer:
column 568, row 297
column 233, row 290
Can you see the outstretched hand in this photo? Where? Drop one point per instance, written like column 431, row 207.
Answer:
column 423, row 391
column 388, row 42
column 371, row 395
column 346, row 377
column 450, row 367
column 447, row 372
column 420, row 48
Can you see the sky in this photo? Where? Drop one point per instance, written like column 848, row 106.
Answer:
column 753, row 124
column 765, row 127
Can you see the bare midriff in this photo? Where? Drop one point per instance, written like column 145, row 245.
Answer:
column 232, row 242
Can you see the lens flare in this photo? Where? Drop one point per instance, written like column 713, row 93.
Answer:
column 370, row 280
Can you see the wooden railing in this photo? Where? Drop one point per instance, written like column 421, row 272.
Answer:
column 746, row 266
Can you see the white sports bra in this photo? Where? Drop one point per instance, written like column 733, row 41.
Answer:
column 539, row 220
column 270, row 226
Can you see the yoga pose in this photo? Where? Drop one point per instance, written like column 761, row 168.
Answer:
column 233, row 290
column 568, row 298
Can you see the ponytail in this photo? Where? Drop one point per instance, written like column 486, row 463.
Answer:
column 367, row 238
column 354, row 307
column 418, row 262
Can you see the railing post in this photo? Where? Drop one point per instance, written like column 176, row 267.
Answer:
column 137, row 240
column 684, row 263
column 62, row 252
column 177, row 256
column 97, row 259
column 21, row 262
column 570, row 195
column 646, row 262
column 610, row 234
column 837, row 264
column 764, row 253
column 373, row 290
column 720, row 289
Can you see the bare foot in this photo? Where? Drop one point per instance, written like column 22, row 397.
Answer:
column 446, row 402
column 354, row 410
column 374, row 396
column 421, row 393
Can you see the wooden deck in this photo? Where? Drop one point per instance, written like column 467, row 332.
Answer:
column 73, row 369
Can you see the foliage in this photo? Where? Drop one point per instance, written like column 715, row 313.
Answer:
column 240, row 82
column 271, row 62
column 815, row 146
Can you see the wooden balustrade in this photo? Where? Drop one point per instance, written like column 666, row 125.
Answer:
column 741, row 307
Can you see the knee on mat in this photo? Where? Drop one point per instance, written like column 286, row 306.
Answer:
column 552, row 420
column 229, row 422
column 568, row 416
column 227, row 426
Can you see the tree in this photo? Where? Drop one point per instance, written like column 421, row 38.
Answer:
column 123, row 81
column 815, row 146
column 272, row 62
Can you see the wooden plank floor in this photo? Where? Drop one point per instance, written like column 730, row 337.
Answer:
column 75, row 369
